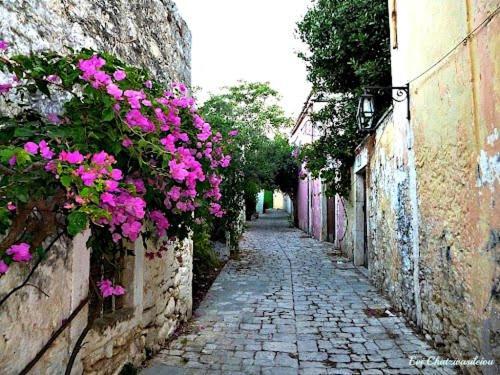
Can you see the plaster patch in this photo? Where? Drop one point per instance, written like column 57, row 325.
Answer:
column 488, row 170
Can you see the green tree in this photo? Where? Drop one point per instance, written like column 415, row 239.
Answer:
column 348, row 44
column 259, row 148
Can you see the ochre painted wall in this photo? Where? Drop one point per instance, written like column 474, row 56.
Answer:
column 454, row 143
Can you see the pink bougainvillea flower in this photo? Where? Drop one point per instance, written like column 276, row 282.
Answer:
column 148, row 84
column 100, row 158
column 138, row 184
column 135, row 206
column 13, row 160
column 108, row 198
column 233, row 133
column 224, row 163
column 113, row 90
column 116, row 237
column 90, row 67
column 131, row 230
column 74, row 157
column 119, row 75
column 3, row 45
column 111, row 185
column 179, row 86
column 118, row 290
column 54, row 118
column 116, row 174
column 178, row 170
column 45, row 150
column 135, row 118
column 88, row 177
column 175, row 193
column 106, row 288
column 20, row 252
column 101, row 79
column 11, row 206
column 160, row 221
column 5, row 87
column 54, row 78
column 134, row 98
column 31, row 148
column 216, row 210
column 127, row 143
column 3, row 267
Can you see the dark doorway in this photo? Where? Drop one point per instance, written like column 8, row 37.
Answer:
column 330, row 219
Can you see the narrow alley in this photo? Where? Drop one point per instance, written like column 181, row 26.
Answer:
column 288, row 306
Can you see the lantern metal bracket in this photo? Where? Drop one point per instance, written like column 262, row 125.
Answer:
column 399, row 94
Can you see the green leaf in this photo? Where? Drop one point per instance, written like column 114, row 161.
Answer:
column 77, row 222
column 108, row 114
column 66, row 180
column 23, row 132
column 40, row 251
column 86, row 192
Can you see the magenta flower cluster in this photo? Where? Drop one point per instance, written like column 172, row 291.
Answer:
column 107, row 289
column 189, row 152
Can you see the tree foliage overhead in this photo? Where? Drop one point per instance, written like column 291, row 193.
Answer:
column 348, row 44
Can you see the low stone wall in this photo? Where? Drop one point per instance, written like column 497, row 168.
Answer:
column 158, row 299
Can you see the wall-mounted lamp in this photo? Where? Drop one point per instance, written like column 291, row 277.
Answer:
column 366, row 115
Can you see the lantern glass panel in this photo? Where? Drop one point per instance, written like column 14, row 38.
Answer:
column 368, row 106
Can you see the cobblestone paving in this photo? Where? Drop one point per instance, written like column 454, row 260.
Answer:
column 288, row 307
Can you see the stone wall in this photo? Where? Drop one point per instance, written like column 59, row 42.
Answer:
column 29, row 317
column 146, row 33
column 158, row 299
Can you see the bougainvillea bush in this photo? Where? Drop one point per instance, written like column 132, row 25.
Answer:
column 121, row 154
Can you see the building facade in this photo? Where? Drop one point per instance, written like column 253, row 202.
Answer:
column 320, row 216
column 422, row 214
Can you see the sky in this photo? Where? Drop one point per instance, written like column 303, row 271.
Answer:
column 252, row 40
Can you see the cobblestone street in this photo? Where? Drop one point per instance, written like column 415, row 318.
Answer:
column 287, row 306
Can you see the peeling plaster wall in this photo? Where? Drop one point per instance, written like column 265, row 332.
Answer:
column 455, row 111
column 391, row 233
column 433, row 222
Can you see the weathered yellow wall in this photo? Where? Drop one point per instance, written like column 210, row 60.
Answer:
column 457, row 151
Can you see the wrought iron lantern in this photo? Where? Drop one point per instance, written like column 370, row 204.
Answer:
column 366, row 111
column 367, row 116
